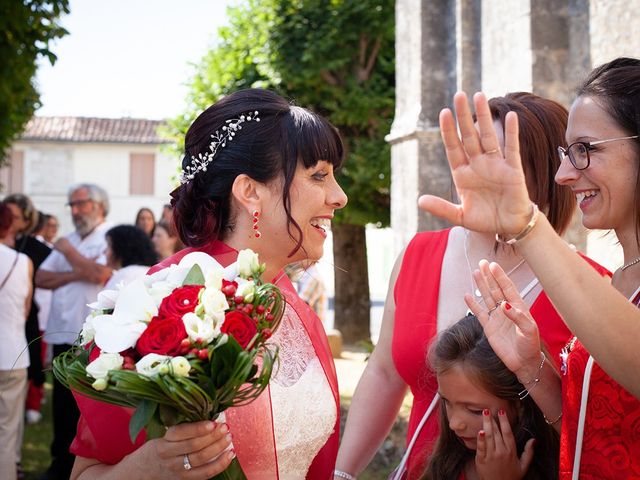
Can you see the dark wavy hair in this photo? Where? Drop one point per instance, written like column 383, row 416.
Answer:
column 265, row 151
column 464, row 343
column 543, row 124
column 616, row 87
column 131, row 246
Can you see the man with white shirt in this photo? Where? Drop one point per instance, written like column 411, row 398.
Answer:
column 76, row 272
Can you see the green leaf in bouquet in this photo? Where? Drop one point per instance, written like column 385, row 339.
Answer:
column 141, row 417
column 194, row 277
column 223, row 361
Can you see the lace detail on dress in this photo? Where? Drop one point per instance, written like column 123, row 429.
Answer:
column 304, row 411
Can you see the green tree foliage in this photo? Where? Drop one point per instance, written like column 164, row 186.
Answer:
column 27, row 27
column 337, row 58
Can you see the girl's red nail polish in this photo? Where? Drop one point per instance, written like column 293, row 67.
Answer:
column 485, row 412
column 481, row 433
column 507, row 306
column 501, row 412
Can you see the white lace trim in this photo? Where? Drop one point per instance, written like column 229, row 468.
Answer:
column 304, row 411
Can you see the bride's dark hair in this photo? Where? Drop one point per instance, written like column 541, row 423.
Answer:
column 465, row 344
column 266, row 150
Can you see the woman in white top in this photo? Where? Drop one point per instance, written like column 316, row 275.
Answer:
column 15, row 300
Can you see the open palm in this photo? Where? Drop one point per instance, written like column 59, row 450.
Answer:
column 491, row 188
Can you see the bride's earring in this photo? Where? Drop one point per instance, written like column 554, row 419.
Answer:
column 256, row 215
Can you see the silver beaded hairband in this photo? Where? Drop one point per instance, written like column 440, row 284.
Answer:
column 219, row 140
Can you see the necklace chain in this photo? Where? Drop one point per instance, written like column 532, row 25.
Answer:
column 474, row 289
column 629, row 264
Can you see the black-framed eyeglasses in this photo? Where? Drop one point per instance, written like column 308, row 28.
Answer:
column 79, row 203
column 578, row 152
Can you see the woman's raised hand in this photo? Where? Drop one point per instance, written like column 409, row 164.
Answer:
column 491, row 188
column 511, row 330
column 190, row 451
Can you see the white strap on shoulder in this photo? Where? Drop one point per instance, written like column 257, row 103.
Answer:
column 402, row 467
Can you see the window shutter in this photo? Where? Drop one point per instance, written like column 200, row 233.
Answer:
column 141, row 173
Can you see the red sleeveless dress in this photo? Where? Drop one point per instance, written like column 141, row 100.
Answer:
column 103, row 429
column 416, row 297
column 611, row 441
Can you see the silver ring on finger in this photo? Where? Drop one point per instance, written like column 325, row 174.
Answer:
column 186, row 464
column 490, row 311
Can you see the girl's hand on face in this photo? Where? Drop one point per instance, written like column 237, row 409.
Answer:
column 491, row 188
column 203, row 442
column 511, row 330
column 496, row 452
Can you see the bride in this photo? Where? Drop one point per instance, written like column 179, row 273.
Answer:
column 258, row 173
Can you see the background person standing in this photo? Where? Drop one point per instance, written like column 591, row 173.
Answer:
column 76, row 272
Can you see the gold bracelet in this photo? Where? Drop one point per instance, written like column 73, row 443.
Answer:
column 552, row 422
column 525, row 231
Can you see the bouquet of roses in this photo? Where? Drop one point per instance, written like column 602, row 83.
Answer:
column 180, row 345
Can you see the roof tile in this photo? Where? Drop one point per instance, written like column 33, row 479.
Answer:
column 93, row 130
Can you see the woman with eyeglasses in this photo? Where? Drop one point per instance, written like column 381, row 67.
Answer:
column 600, row 414
column 426, row 296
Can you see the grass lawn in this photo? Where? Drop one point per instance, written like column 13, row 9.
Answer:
column 37, row 439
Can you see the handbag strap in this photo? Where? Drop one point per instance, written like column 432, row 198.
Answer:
column 13, row 265
column 402, row 467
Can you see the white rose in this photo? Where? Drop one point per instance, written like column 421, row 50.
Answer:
column 200, row 329
column 214, row 279
column 214, row 304
column 88, row 331
column 246, row 289
column 99, row 368
column 247, row 263
column 153, row 364
column 180, row 366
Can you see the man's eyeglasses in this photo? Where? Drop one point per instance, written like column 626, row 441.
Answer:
column 79, row 203
column 578, row 152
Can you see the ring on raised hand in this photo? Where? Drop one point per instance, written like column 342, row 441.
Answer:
column 494, row 308
column 186, row 464
column 495, row 150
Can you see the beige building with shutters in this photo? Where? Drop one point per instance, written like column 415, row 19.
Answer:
column 123, row 155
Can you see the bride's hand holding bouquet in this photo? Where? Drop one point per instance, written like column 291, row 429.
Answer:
column 180, row 346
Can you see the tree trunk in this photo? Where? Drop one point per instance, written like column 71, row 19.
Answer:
column 352, row 302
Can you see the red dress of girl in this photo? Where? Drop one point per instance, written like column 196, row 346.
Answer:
column 290, row 431
column 611, row 440
column 416, row 297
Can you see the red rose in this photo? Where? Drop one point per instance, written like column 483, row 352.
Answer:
column 182, row 300
column 163, row 336
column 239, row 326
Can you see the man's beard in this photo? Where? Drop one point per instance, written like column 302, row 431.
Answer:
column 85, row 224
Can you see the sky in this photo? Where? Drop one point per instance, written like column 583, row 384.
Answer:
column 128, row 58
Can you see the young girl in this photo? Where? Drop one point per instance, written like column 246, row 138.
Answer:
column 488, row 426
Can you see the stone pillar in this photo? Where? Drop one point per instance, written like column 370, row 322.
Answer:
column 425, row 83
column 550, row 49
column 551, row 27
column 469, row 45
